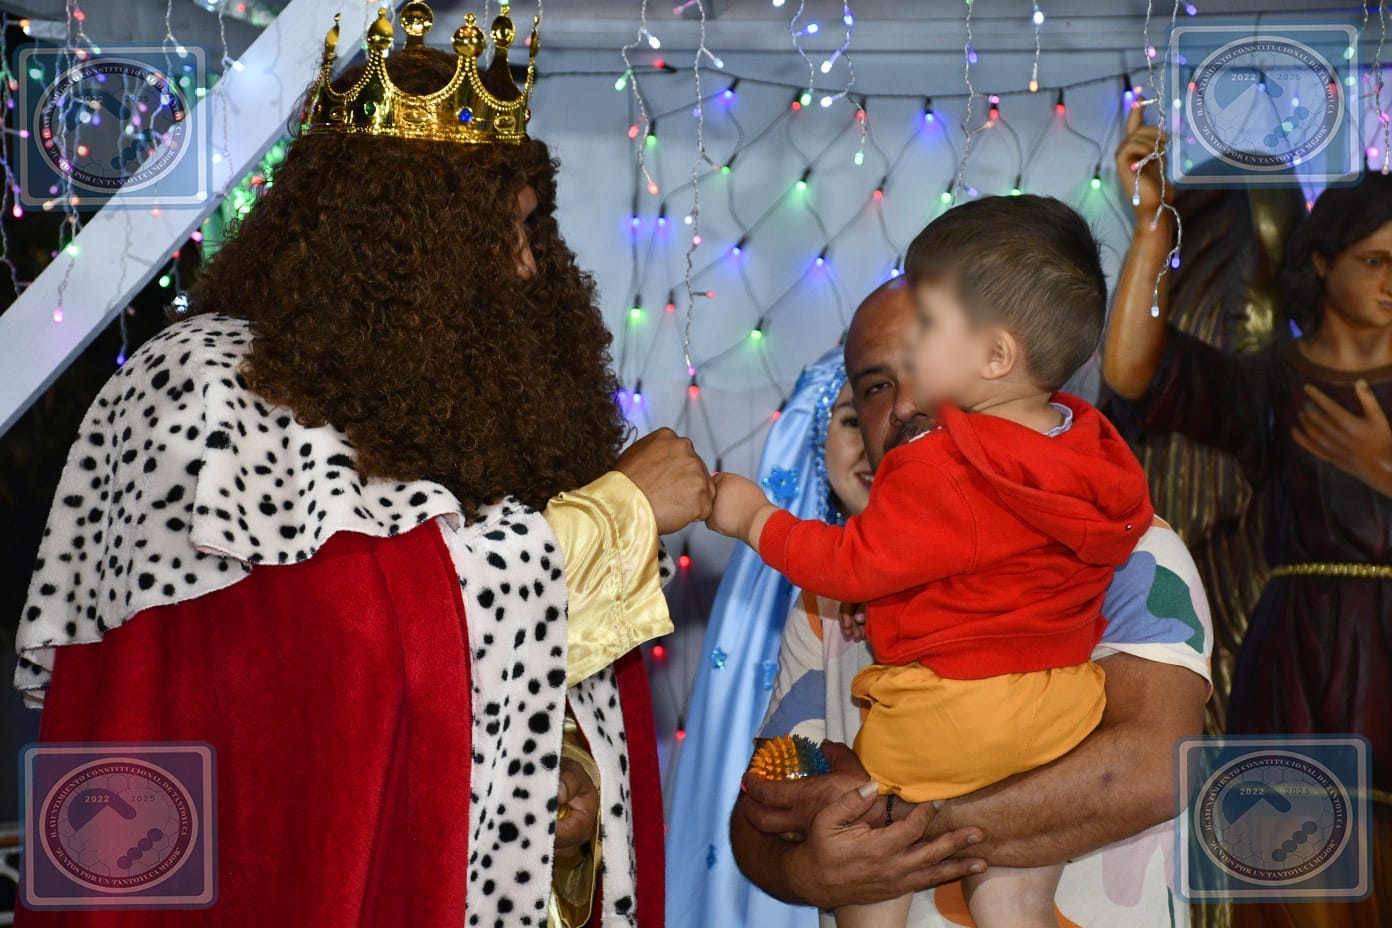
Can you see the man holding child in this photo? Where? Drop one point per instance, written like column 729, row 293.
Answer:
column 1113, row 791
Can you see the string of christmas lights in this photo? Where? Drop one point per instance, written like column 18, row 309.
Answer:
column 1376, row 70
column 1159, row 98
column 75, row 37
column 1037, row 20
column 9, row 198
column 736, row 252
column 643, row 125
column 969, row 58
column 1022, row 159
column 698, row 164
column 694, row 413
column 842, row 52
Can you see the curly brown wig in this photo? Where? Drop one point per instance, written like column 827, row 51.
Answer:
column 380, row 279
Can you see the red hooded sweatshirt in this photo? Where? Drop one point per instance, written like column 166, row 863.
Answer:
column 986, row 548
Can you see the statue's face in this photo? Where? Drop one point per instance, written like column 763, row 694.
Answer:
column 1358, row 281
column 526, row 211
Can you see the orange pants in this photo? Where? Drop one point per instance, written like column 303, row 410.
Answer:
column 928, row 737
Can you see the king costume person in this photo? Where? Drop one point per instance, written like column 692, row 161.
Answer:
column 345, row 525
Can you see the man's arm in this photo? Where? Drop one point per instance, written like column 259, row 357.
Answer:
column 839, row 862
column 846, row 861
column 1117, row 782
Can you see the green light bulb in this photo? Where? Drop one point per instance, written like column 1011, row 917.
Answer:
column 756, row 335
column 802, row 186
column 164, row 280
column 635, row 314
column 1095, row 183
column 946, row 197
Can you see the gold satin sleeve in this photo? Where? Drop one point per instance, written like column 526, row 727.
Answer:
column 608, row 538
column 573, row 886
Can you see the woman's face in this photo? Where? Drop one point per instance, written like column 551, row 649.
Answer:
column 1358, row 281
column 848, row 471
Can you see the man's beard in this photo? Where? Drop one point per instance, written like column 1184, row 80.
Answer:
column 920, row 424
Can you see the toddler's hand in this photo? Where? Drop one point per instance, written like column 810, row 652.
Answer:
column 738, row 503
column 853, row 621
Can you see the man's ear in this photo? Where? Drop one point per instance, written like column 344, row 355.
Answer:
column 1321, row 264
column 1003, row 354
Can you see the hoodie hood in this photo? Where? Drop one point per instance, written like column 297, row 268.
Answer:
column 1083, row 488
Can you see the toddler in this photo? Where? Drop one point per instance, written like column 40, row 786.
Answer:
column 989, row 541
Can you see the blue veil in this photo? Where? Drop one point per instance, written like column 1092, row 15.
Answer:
column 736, row 674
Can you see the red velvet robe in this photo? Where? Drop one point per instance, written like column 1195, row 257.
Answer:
column 336, row 695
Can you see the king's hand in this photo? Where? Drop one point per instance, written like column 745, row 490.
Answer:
column 672, row 476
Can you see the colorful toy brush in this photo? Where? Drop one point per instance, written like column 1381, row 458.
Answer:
column 789, row 757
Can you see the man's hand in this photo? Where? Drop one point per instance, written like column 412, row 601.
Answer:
column 675, row 480
column 1357, row 445
column 787, row 807
column 852, row 621
column 577, row 808
column 846, row 861
column 740, row 509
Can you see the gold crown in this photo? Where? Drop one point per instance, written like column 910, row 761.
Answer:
column 461, row 111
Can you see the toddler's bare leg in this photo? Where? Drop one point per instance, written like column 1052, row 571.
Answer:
column 891, row 914
column 1013, row 897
